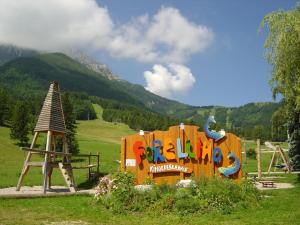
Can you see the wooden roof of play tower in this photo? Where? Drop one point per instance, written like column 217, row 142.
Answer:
column 51, row 117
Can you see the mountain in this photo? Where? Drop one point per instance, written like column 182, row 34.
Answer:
column 10, row 52
column 72, row 67
column 27, row 76
column 37, row 71
column 90, row 63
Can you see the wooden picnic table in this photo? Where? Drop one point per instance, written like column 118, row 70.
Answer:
column 267, row 183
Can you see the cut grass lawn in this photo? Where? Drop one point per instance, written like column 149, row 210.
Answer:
column 283, row 207
column 93, row 136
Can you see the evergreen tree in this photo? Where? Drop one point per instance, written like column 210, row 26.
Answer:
column 70, row 121
column 20, row 123
column 4, row 106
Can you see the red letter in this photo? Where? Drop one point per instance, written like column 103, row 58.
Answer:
column 199, row 148
column 138, row 150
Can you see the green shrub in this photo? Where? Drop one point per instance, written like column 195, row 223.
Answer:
column 206, row 195
column 251, row 153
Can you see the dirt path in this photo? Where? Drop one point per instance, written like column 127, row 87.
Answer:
column 276, row 186
column 37, row 191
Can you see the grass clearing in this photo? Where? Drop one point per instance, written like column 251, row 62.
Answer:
column 93, row 136
column 283, row 207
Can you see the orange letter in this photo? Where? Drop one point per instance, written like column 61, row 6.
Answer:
column 168, row 149
column 206, row 150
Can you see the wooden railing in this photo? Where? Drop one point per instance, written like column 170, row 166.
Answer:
column 44, row 151
column 52, row 154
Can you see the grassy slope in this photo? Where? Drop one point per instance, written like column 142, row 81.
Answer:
column 103, row 137
column 93, row 136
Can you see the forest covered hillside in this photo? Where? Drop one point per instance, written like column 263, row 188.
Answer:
column 28, row 77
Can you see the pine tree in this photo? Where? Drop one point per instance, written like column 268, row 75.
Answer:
column 4, row 106
column 20, row 123
column 70, row 120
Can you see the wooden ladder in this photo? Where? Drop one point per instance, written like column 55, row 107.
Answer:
column 66, row 170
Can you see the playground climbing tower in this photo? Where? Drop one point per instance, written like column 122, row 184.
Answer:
column 51, row 121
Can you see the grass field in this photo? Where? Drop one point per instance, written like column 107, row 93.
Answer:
column 93, row 136
column 281, row 207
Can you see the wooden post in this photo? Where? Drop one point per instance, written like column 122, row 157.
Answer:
column 258, row 159
column 181, row 136
column 283, row 157
column 26, row 167
column 245, row 150
column 98, row 161
column 89, row 165
column 46, row 165
column 272, row 161
column 150, row 140
column 123, row 155
column 65, row 150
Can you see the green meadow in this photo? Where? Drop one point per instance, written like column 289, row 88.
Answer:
column 276, row 207
column 96, row 136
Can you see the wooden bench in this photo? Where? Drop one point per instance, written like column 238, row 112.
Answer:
column 267, row 183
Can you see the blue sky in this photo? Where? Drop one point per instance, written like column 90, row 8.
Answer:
column 232, row 70
column 200, row 53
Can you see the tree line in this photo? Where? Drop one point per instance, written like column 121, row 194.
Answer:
column 21, row 113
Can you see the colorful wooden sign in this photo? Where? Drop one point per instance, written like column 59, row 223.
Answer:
column 181, row 152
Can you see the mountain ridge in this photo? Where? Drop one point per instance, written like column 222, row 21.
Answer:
column 33, row 74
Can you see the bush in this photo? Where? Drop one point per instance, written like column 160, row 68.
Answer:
column 216, row 194
column 251, row 153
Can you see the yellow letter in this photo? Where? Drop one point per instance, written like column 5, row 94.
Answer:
column 168, row 149
column 206, row 150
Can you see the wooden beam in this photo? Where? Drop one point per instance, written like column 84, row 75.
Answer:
column 46, row 166
column 36, row 164
column 123, row 156
column 258, row 158
column 283, row 157
column 272, row 161
column 25, row 166
column 45, row 151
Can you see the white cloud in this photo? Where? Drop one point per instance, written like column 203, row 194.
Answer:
column 169, row 81
column 167, row 37
column 52, row 25
column 55, row 24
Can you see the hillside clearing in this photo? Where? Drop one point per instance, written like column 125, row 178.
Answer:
column 91, row 136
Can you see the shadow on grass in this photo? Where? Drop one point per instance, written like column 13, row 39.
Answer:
column 88, row 184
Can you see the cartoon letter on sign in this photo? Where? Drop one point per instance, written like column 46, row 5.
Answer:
column 149, row 154
column 227, row 171
column 212, row 133
column 206, row 150
column 188, row 149
column 199, row 148
column 180, row 154
column 138, row 150
column 217, row 155
column 168, row 149
column 156, row 146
